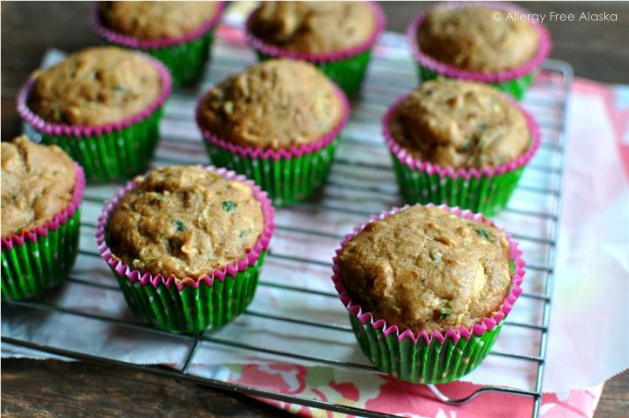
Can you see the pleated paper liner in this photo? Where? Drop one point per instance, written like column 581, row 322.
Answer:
column 106, row 152
column 486, row 190
column 429, row 358
column 288, row 175
column 184, row 56
column 514, row 82
column 36, row 260
column 346, row 68
column 185, row 306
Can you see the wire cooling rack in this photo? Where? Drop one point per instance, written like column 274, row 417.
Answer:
column 362, row 183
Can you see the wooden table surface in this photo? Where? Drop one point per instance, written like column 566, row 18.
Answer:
column 30, row 388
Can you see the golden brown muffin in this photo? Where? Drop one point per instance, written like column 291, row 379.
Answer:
column 426, row 269
column 274, row 104
column 314, row 27
column 155, row 19
column 37, row 183
column 95, row 86
column 185, row 221
column 471, row 39
column 459, row 124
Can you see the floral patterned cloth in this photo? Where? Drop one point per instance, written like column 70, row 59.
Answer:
column 388, row 395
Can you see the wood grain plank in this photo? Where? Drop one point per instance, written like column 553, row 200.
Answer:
column 35, row 388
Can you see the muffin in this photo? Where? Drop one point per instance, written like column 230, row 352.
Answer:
column 277, row 123
column 460, row 143
column 187, row 245
column 178, row 33
column 42, row 189
column 337, row 37
column 102, row 106
column 427, row 290
column 479, row 43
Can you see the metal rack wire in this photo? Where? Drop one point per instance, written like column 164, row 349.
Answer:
column 361, row 184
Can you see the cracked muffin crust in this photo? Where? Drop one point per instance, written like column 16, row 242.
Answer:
column 314, row 27
column 471, row 39
column 460, row 124
column 37, row 183
column 155, row 19
column 184, row 221
column 275, row 104
column 95, row 86
column 426, row 269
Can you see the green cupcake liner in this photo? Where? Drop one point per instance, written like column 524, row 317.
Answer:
column 120, row 154
column 192, row 310
column 516, row 87
column 286, row 181
column 482, row 190
column 184, row 56
column 422, row 356
column 186, row 61
column 486, row 194
column 347, row 73
column 31, row 268
column 423, row 363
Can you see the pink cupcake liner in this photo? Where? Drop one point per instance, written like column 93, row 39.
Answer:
column 80, row 131
column 277, row 52
column 155, row 280
column 137, row 43
column 56, row 221
column 499, row 77
column 416, row 164
column 455, row 335
column 286, row 153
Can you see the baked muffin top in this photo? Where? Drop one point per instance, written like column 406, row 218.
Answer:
column 314, row 27
column 471, row 39
column 37, row 183
column 275, row 104
column 155, row 19
column 95, row 86
column 426, row 269
column 459, row 124
column 185, row 221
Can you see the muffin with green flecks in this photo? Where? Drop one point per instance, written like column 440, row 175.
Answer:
column 479, row 42
column 102, row 106
column 427, row 290
column 178, row 33
column 276, row 122
column 337, row 37
column 42, row 190
column 459, row 143
column 186, row 245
